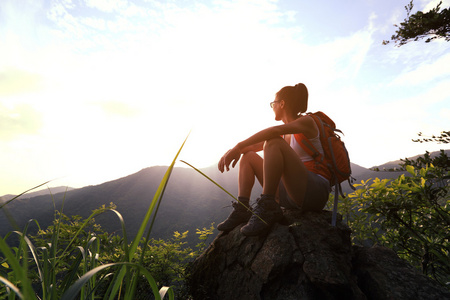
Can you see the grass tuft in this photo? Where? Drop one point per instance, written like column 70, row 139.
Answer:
column 49, row 275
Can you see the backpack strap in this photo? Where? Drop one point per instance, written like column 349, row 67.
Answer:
column 337, row 189
column 308, row 147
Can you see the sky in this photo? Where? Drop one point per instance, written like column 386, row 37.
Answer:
column 95, row 90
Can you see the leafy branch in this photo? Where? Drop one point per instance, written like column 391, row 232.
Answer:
column 444, row 138
column 432, row 25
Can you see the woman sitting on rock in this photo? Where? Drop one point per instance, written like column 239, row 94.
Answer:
column 289, row 176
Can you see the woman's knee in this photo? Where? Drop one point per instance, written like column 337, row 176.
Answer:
column 275, row 142
column 249, row 158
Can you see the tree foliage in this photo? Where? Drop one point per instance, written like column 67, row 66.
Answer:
column 440, row 161
column 432, row 25
column 443, row 138
column 410, row 214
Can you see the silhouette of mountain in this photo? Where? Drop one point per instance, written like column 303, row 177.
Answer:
column 395, row 163
column 53, row 190
column 190, row 201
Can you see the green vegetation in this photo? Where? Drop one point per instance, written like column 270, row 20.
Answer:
column 82, row 245
column 443, row 138
column 433, row 24
column 76, row 259
column 410, row 214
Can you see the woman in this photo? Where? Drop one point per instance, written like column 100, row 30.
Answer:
column 288, row 175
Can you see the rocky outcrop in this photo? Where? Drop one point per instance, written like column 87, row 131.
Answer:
column 305, row 258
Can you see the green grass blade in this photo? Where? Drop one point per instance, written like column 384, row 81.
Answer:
column 32, row 250
column 4, row 204
column 72, row 273
column 100, row 283
column 153, row 221
column 124, row 233
column 156, row 197
column 94, row 214
column 132, row 250
column 45, row 280
column 207, row 177
column 73, row 291
column 129, row 293
column 156, row 211
column 19, row 272
column 10, row 216
column 22, row 254
column 10, row 219
column 164, row 290
column 223, row 189
column 12, row 287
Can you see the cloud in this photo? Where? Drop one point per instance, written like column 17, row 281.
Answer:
column 141, row 74
column 19, row 120
column 107, row 5
column 425, row 72
column 117, row 108
column 15, row 81
column 445, row 114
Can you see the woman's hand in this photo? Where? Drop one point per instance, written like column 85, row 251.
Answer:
column 232, row 156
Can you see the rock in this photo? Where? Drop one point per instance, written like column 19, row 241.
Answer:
column 383, row 275
column 305, row 258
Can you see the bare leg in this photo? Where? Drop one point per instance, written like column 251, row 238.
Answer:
column 250, row 166
column 281, row 162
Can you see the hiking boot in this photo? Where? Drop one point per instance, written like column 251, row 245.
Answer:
column 268, row 210
column 239, row 215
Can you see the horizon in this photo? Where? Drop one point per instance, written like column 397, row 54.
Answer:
column 94, row 90
column 49, row 187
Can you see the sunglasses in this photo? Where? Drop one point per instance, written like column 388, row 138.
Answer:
column 273, row 103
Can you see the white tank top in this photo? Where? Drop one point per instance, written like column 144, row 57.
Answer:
column 299, row 150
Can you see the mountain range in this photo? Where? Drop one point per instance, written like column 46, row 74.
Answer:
column 190, row 200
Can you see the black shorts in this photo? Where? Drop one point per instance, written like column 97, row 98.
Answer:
column 316, row 197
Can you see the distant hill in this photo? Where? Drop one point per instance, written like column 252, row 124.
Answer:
column 53, row 190
column 190, row 200
column 395, row 163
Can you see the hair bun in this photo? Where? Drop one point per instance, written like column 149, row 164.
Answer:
column 302, row 94
column 300, row 87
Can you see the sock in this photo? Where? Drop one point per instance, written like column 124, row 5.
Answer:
column 244, row 200
column 268, row 197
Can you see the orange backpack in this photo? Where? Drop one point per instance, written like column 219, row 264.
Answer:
column 335, row 157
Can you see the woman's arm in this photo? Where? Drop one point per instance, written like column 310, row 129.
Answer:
column 303, row 125
column 255, row 148
column 236, row 153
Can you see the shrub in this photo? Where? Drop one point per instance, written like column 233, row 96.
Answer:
column 410, row 214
